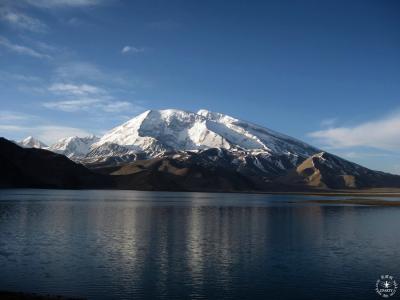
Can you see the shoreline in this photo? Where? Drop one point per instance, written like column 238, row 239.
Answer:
column 379, row 192
column 339, row 193
column 362, row 202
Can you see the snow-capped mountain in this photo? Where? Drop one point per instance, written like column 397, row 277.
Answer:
column 155, row 133
column 241, row 132
column 174, row 130
column 165, row 130
column 179, row 150
column 246, row 147
column 31, row 142
column 74, row 147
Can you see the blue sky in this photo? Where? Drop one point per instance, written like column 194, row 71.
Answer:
column 326, row 72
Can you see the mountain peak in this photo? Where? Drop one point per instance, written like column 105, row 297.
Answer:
column 31, row 142
column 167, row 129
column 154, row 132
column 74, row 146
column 216, row 116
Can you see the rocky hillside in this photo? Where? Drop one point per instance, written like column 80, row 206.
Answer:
column 327, row 171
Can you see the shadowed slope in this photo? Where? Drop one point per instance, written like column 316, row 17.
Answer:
column 23, row 167
column 168, row 173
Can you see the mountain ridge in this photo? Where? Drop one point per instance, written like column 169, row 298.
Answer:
column 31, row 142
column 74, row 147
column 156, row 132
column 209, row 170
column 186, row 149
column 327, row 171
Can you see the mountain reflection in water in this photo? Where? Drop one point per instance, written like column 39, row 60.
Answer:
column 154, row 245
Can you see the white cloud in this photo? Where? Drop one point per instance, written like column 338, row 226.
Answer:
column 132, row 49
column 4, row 42
column 84, row 71
column 6, row 128
column 92, row 105
column 19, row 125
column 73, row 105
column 363, row 154
column 79, row 71
column 73, row 89
column 65, row 3
column 45, row 47
column 118, row 106
column 86, row 97
column 47, row 133
column 22, row 21
column 18, row 77
column 328, row 122
column 395, row 169
column 50, row 134
column 74, row 22
column 6, row 116
column 382, row 134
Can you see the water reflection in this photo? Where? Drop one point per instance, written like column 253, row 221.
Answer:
column 125, row 245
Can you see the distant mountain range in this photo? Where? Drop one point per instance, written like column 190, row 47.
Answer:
column 31, row 142
column 204, row 151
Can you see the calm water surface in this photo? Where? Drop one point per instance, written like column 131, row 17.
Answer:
column 155, row 245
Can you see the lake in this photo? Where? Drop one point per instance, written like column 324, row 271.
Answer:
column 163, row 245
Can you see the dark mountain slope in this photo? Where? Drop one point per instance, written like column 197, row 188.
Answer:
column 207, row 170
column 215, row 170
column 169, row 173
column 23, row 167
